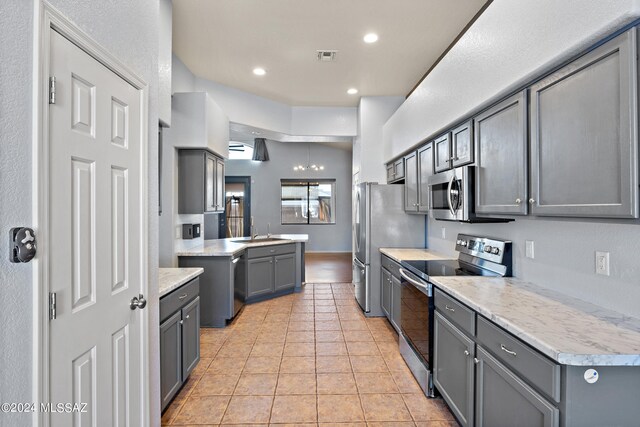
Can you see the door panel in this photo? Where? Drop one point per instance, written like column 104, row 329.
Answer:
column 411, row 183
column 442, row 153
column 219, row 185
column 462, row 144
column 170, row 358
column 96, row 261
column 260, row 276
column 425, row 170
column 210, row 175
column 190, row 337
column 285, row 271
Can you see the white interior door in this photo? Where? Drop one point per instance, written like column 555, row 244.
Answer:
column 96, row 252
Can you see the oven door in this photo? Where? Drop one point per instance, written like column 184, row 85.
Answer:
column 416, row 315
column 449, row 194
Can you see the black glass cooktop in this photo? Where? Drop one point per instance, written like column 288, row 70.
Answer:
column 426, row 269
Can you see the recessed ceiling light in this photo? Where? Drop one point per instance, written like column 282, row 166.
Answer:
column 259, row 71
column 371, row 38
column 352, row 91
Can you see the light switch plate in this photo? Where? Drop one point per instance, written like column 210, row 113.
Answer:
column 529, row 247
column 602, row 263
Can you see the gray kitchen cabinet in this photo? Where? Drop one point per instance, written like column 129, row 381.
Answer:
column 442, row 152
column 584, row 135
column 395, row 171
column 501, row 159
column 503, row 399
column 179, row 338
column 462, row 144
column 411, row 182
column 396, row 302
column 425, row 170
column 453, row 372
column 259, row 276
column 385, row 289
column 200, row 182
column 284, row 272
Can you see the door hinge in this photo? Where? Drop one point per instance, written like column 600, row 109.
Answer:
column 52, row 90
column 52, row 306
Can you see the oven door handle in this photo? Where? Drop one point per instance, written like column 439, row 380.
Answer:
column 449, row 200
column 415, row 282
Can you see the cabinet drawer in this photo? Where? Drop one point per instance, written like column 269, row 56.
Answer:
column 455, row 311
column 391, row 265
column 271, row 250
column 172, row 302
column 537, row 369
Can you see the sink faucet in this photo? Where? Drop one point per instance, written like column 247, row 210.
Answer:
column 268, row 229
column 254, row 232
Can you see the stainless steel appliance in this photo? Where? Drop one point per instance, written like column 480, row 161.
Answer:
column 451, row 196
column 379, row 221
column 477, row 256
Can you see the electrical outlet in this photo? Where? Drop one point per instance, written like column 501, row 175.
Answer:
column 529, row 249
column 602, row 263
column 178, row 231
column 443, row 232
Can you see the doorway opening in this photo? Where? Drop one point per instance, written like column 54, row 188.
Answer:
column 237, row 207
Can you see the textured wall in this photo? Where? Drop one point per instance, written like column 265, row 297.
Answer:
column 164, row 61
column 512, row 41
column 129, row 30
column 265, row 191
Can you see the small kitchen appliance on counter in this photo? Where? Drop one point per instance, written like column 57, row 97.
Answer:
column 477, row 256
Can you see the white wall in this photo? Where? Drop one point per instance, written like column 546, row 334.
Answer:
column 510, row 44
column 129, row 31
column 373, row 112
column 182, row 79
column 164, row 61
column 265, row 191
column 339, row 121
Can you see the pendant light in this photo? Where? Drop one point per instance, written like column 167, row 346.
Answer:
column 309, row 166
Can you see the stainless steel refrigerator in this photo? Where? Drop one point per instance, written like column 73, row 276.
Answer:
column 380, row 222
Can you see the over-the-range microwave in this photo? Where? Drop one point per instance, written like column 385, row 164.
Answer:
column 451, row 196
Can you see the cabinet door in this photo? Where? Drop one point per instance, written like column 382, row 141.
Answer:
column 442, row 152
column 190, row 337
column 411, row 182
column 584, row 132
column 396, row 303
column 501, row 159
column 390, row 173
column 385, row 289
column 425, row 170
column 170, row 358
column 220, row 195
column 462, row 144
column 398, row 169
column 453, row 368
column 285, row 271
column 259, row 276
column 209, row 183
column 503, row 399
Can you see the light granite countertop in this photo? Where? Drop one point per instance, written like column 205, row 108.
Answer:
column 413, row 254
column 568, row 330
column 230, row 247
column 172, row 278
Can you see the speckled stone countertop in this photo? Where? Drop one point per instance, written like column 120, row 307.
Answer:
column 568, row 330
column 230, row 247
column 172, row 278
column 413, row 254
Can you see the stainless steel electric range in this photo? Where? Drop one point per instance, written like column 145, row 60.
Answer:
column 477, row 256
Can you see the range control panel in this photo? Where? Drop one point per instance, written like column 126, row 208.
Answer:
column 483, row 247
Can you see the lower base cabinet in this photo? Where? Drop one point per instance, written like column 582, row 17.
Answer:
column 453, row 369
column 179, row 339
column 503, row 399
column 390, row 288
column 270, row 270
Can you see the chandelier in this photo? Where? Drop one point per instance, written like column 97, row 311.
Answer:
column 309, row 165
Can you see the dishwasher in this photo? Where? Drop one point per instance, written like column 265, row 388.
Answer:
column 239, row 282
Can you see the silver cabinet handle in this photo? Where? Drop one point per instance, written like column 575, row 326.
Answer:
column 532, row 201
column 506, row 350
column 187, row 316
column 183, row 296
column 446, row 307
column 276, row 261
column 475, row 360
column 271, row 251
column 182, row 322
column 466, row 352
column 234, row 261
column 518, row 201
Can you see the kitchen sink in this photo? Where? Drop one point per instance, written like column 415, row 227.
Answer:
column 259, row 240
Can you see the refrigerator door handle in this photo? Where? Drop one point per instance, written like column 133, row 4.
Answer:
column 357, row 262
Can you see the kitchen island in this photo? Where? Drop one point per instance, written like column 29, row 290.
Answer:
column 243, row 270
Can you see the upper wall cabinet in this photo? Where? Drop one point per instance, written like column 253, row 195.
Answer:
column 501, row 157
column 584, row 132
column 442, row 152
column 425, row 170
column 462, row 144
column 198, row 122
column 395, row 171
column 411, row 182
column 200, row 182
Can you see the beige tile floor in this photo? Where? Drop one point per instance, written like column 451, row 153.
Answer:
column 308, row 359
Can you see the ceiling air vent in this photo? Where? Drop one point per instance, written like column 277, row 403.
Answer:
column 327, row 55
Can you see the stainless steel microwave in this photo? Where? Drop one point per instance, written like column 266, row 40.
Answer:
column 451, row 196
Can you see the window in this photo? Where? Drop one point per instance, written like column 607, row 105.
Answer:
column 308, row 202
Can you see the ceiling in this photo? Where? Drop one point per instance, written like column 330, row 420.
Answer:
column 224, row 40
column 246, row 134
